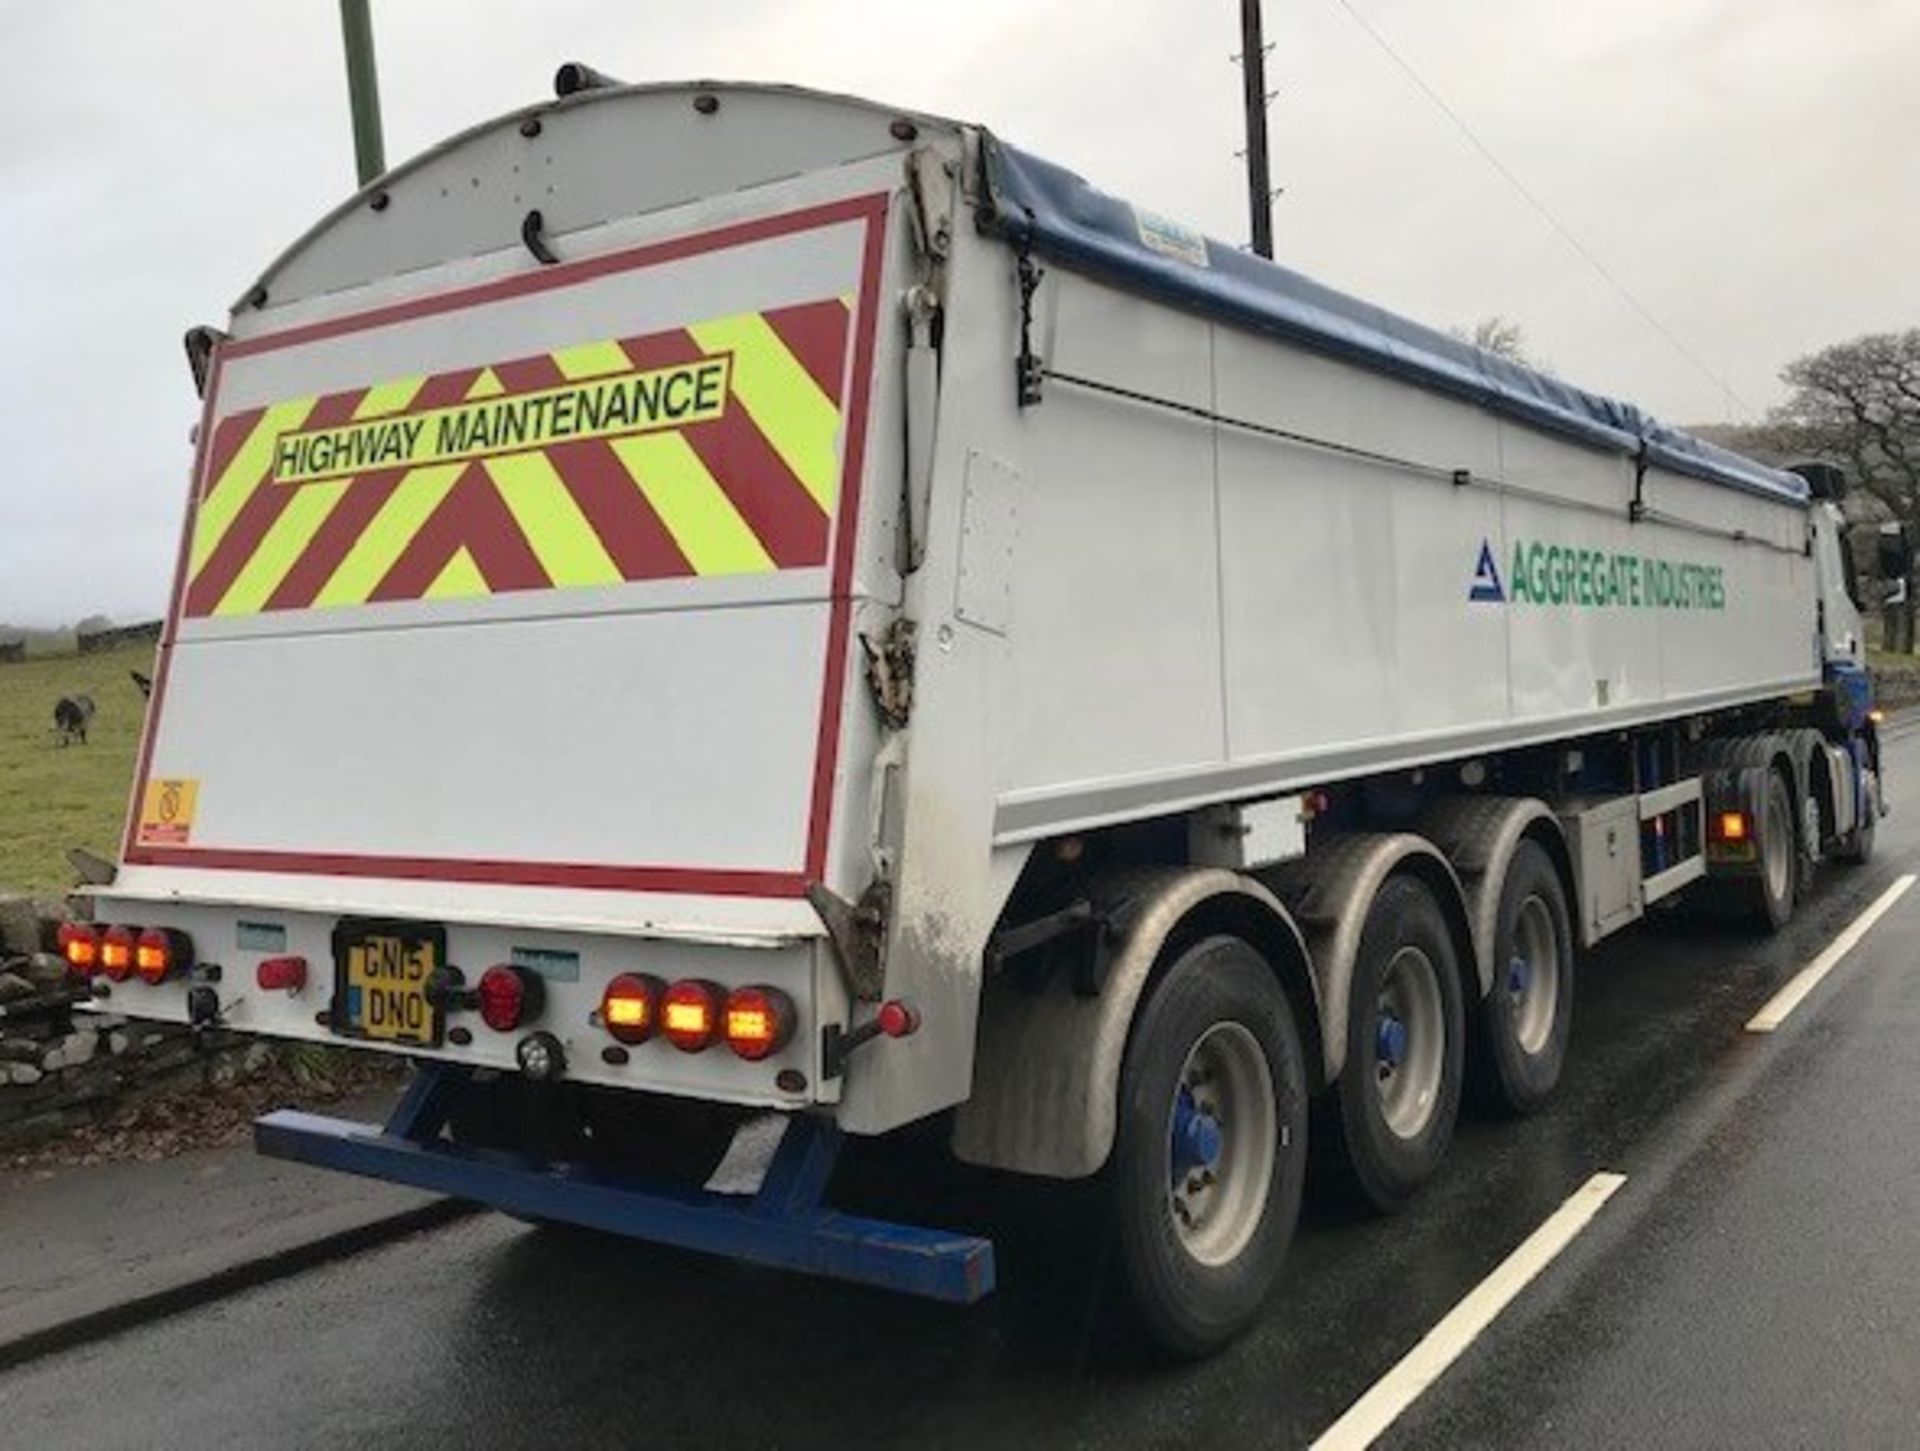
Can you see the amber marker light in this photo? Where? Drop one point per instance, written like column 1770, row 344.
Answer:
column 759, row 1022
column 80, row 946
column 690, row 1015
column 630, row 1007
column 116, row 952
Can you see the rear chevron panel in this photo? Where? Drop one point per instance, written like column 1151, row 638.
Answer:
column 589, row 466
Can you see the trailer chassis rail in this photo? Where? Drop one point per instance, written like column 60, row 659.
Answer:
column 785, row 1224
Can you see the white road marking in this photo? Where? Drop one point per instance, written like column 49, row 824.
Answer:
column 1808, row 978
column 1420, row 1367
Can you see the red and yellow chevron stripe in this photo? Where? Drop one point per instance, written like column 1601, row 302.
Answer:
column 712, row 449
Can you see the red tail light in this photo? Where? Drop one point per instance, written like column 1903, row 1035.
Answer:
column 509, row 996
column 161, row 951
column 759, row 1022
column 630, row 1007
column 80, row 945
column 116, row 952
column 281, row 974
column 690, row 1015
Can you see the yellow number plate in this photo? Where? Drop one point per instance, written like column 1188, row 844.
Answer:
column 381, row 986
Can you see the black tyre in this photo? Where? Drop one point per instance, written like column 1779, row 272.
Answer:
column 1770, row 893
column 1396, row 1101
column 1526, row 1018
column 1209, row 1150
column 1858, row 850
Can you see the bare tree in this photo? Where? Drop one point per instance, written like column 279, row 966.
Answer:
column 1858, row 403
column 1498, row 336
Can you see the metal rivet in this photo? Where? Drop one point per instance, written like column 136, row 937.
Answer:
column 790, row 1080
column 378, row 201
column 903, row 130
column 530, row 127
column 460, row 1037
column 706, row 104
column 613, row 1053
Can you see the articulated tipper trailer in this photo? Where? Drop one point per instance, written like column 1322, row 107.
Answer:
column 708, row 605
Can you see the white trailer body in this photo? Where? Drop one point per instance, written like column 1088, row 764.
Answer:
column 746, row 537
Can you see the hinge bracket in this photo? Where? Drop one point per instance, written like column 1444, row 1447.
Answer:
column 890, row 672
column 858, row 932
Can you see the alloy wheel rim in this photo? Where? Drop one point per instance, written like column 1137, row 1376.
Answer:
column 1222, row 1140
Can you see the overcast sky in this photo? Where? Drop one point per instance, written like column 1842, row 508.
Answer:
column 1747, row 168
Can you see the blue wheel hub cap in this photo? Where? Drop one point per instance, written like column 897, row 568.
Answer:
column 1197, row 1137
column 1390, row 1041
column 1519, row 975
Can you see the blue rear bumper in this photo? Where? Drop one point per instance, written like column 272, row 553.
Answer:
column 784, row 1225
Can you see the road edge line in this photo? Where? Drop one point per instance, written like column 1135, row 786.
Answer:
column 281, row 1264
column 1803, row 982
column 1370, row 1416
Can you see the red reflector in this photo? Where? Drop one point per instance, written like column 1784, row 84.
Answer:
column 759, row 1021
column 161, row 951
column 630, row 1008
column 897, row 1019
column 116, row 952
column 80, row 945
column 509, row 996
column 690, row 1015
column 281, row 974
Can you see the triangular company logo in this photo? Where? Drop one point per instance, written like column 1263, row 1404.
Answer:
column 1486, row 579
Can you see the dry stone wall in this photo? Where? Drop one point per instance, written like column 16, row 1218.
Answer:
column 60, row 1064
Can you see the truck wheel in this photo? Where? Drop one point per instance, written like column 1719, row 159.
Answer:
column 1770, row 893
column 1209, row 1153
column 1859, row 846
column 1394, row 1106
column 1526, row 1018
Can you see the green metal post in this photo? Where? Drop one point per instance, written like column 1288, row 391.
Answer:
column 363, row 90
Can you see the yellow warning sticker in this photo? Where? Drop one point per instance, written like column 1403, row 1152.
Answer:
column 166, row 812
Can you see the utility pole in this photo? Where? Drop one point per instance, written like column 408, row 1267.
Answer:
column 1253, row 69
column 363, row 90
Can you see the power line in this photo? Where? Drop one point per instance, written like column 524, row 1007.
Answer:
column 1565, row 233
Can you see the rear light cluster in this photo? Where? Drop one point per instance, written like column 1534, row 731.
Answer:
column 693, row 1015
column 119, row 952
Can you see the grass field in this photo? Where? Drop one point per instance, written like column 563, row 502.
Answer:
column 53, row 798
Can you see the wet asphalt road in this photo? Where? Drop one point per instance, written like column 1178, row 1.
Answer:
column 1756, row 1283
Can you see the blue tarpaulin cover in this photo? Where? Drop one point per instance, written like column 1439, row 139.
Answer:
column 1063, row 217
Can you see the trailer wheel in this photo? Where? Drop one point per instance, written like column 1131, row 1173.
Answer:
column 1394, row 1106
column 1209, row 1154
column 1527, row 1017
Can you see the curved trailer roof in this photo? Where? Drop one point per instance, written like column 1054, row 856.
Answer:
column 1061, row 215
